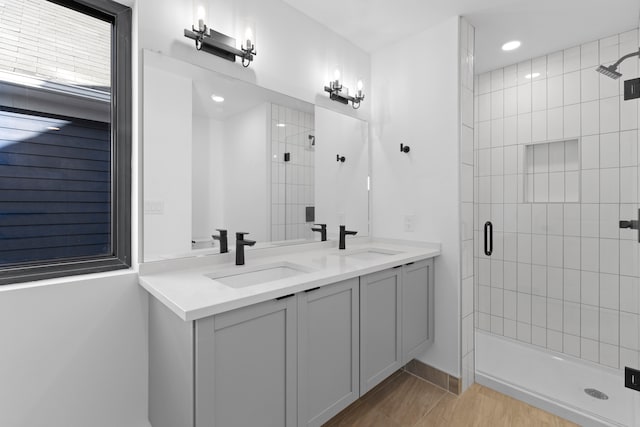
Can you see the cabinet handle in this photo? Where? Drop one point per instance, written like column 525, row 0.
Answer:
column 409, row 263
column 397, row 266
column 488, row 238
column 313, row 289
column 284, row 297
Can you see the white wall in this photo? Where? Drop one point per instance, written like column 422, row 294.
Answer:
column 415, row 102
column 341, row 191
column 74, row 352
column 207, row 176
column 246, row 175
column 296, row 55
column 167, row 163
column 51, row 333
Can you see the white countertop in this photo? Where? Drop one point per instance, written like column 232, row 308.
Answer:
column 188, row 292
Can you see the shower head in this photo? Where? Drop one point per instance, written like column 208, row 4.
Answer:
column 609, row 71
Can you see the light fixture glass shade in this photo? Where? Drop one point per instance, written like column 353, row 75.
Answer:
column 200, row 14
column 246, row 35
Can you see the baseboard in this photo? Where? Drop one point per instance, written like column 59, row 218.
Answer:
column 435, row 376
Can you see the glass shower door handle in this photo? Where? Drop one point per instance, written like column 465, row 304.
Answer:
column 632, row 224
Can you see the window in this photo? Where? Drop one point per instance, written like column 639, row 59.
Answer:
column 65, row 138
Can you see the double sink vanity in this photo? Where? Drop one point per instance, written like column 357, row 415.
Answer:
column 303, row 328
column 289, row 339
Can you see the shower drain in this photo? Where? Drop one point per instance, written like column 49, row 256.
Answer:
column 596, row 393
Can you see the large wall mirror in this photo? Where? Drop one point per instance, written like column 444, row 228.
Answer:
column 220, row 153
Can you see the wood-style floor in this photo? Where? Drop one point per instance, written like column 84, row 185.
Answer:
column 405, row 400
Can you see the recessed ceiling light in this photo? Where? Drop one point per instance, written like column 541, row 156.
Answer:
column 217, row 98
column 511, row 45
column 532, row 76
column 52, row 128
column 280, row 125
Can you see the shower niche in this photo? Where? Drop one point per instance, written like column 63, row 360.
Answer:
column 552, row 172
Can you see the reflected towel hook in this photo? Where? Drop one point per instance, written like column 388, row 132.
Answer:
column 404, row 148
column 340, row 158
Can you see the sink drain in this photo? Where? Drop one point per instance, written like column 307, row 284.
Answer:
column 596, row 393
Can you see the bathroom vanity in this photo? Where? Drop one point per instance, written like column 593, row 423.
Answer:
column 290, row 339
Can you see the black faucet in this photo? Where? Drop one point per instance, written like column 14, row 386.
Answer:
column 343, row 233
column 322, row 230
column 240, row 244
column 223, row 240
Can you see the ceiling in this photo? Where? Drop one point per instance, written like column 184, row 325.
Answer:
column 543, row 26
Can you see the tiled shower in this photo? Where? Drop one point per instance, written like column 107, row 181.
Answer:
column 292, row 181
column 556, row 168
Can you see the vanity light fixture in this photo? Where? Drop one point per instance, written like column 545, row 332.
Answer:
column 219, row 44
column 340, row 93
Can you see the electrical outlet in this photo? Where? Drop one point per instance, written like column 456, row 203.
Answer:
column 632, row 378
column 409, row 223
column 153, row 207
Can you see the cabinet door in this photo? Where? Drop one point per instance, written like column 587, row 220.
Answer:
column 328, row 351
column 246, row 366
column 380, row 327
column 417, row 308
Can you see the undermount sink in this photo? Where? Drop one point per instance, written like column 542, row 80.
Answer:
column 367, row 254
column 257, row 275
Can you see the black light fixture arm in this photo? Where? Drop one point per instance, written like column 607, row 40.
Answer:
column 335, row 93
column 221, row 45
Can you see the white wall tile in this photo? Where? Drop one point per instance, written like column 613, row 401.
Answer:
column 609, row 355
column 539, row 95
column 555, row 281
column 609, row 51
column 524, row 69
column 538, row 249
column 484, row 107
column 510, row 76
column 539, row 126
column 539, row 280
column 589, row 350
column 590, row 288
column 610, row 150
column 609, row 185
column 628, row 114
column 572, row 59
column 629, row 148
column 571, row 88
column 554, row 340
column 608, row 87
column 590, row 186
column 571, row 121
column 555, row 251
column 590, row 85
column 524, row 98
column 497, row 104
column 510, row 276
column 555, row 314
column 555, row 92
column 630, row 294
column 539, row 65
column 589, row 254
column 571, row 318
column 609, row 115
column 524, row 128
column 539, row 336
column 524, row 250
column 590, row 119
column 589, row 55
column 572, row 219
column 484, row 83
column 497, row 80
column 590, row 152
column 571, row 291
column 609, row 217
column 609, row 326
column 484, row 134
column 572, row 252
column 590, row 220
column 497, row 132
column 629, row 330
column 555, row 64
column 609, row 257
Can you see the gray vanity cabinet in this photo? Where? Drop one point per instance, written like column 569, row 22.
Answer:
column 417, row 308
column 380, row 326
column 328, row 351
column 245, row 366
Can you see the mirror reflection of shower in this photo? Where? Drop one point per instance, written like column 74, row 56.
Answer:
column 612, row 70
